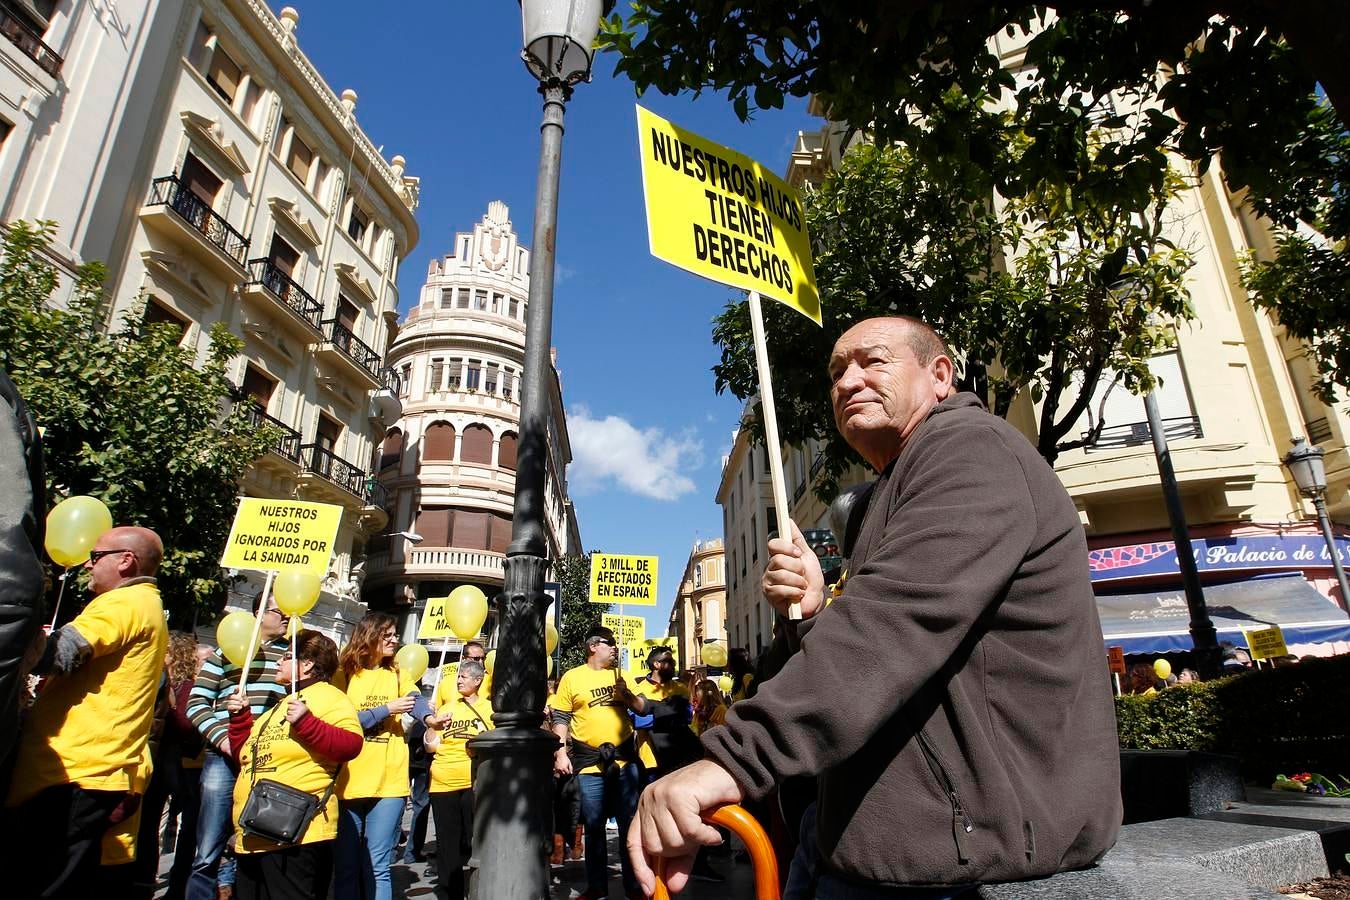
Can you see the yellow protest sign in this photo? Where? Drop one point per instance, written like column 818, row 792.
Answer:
column 623, row 579
column 637, row 654
column 276, row 535
column 434, row 624
column 1266, row 643
column 719, row 214
column 629, row 630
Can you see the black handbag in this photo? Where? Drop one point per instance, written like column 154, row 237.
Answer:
column 277, row 812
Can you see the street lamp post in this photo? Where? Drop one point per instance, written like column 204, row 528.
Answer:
column 1304, row 462
column 513, row 780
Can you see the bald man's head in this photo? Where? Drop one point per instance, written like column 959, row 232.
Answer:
column 143, row 542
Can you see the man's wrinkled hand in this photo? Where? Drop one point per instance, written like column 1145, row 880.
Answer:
column 669, row 822
column 793, row 575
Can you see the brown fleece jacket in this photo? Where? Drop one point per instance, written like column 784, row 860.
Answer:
column 954, row 700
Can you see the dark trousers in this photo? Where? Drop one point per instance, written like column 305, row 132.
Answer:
column 189, row 796
column 302, row 872
column 163, row 783
column 56, row 837
column 453, row 811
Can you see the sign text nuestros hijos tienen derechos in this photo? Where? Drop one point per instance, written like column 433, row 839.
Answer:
column 276, row 535
column 719, row 214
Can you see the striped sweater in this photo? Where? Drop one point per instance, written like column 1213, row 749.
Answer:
column 218, row 679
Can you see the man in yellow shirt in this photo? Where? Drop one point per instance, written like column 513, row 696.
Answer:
column 83, row 761
column 591, row 707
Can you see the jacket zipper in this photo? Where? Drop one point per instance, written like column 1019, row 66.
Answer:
column 961, row 823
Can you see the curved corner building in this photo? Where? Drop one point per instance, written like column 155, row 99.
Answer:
column 449, row 463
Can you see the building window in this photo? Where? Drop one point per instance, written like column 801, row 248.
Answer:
column 743, row 560
column 392, row 451
column 405, row 379
column 283, row 256
column 279, row 139
column 258, row 386
column 513, row 307
column 200, row 180
column 5, row 129
column 473, row 375
column 771, row 523
column 156, row 313
column 224, row 75
column 438, row 444
column 490, row 383
column 347, row 314
column 698, row 576
column 480, row 300
column 433, row 524
column 508, row 383
column 436, row 379
column 476, row 445
column 328, row 433
column 754, row 539
column 252, row 94
column 300, row 159
column 357, row 223
column 463, row 301
column 506, row 451
column 472, row 529
column 447, row 298
column 455, row 366
column 501, row 533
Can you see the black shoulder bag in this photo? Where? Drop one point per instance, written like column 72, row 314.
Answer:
column 277, row 812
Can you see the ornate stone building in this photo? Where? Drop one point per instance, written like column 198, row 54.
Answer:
column 699, row 612
column 449, row 464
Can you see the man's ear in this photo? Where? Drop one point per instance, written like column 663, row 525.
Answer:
column 944, row 377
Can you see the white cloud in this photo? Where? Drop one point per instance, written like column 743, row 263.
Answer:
column 647, row 462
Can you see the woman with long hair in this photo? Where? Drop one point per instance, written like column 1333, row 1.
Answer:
column 709, row 708
column 303, row 742
column 374, row 788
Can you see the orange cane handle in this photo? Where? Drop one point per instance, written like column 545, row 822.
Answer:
column 756, row 842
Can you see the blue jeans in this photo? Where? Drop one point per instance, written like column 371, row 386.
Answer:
column 420, row 799
column 215, row 824
column 831, row 888
column 801, row 879
column 367, row 835
column 612, row 794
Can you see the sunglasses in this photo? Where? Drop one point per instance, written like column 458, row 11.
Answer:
column 603, row 641
column 96, row 555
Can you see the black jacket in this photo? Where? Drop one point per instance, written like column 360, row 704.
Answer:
column 953, row 700
column 23, row 509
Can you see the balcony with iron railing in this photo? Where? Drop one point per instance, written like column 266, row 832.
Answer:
column 346, row 348
column 337, row 471
column 21, row 35
column 278, row 285
column 1136, row 433
column 288, row 444
column 195, row 222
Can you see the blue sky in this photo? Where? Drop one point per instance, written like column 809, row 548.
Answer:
column 442, row 84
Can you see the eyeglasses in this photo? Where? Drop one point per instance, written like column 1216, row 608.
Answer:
column 607, row 643
column 96, row 555
column 391, row 636
column 277, row 610
column 475, row 658
column 286, row 657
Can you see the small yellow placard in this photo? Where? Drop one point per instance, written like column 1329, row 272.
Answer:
column 719, row 214
column 637, row 654
column 277, row 535
column 1266, row 643
column 434, row 623
column 628, row 630
column 623, row 579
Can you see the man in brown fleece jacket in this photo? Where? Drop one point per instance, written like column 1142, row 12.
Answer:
column 981, row 745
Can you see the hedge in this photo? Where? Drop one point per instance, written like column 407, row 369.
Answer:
column 1286, row 720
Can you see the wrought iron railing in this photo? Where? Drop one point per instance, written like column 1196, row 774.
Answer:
column 171, row 192
column 30, row 42
column 1319, row 431
column 352, row 346
column 353, row 479
column 280, row 285
column 1136, row 433
column 288, row 445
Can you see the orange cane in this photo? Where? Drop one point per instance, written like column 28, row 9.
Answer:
column 755, row 840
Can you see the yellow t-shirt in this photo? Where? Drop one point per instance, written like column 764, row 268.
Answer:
column 91, row 727
column 382, row 768
column 284, row 759
column 451, row 769
column 598, row 716
column 648, row 688
column 718, row 717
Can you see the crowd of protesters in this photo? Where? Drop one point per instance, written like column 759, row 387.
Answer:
column 133, row 726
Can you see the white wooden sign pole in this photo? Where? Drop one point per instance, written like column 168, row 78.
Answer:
column 771, row 431
column 257, row 633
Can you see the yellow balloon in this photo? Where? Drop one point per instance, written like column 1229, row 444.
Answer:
column 550, row 667
column 550, row 637
column 490, row 662
column 73, row 526
column 412, row 660
column 1162, row 668
column 724, row 684
column 233, row 636
column 296, row 591
column 715, row 654
column 466, row 610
